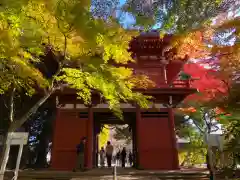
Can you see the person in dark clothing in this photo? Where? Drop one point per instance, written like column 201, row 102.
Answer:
column 118, row 158
column 123, row 157
column 80, row 155
column 130, row 158
column 134, row 159
column 109, row 152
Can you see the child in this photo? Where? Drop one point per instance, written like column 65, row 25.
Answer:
column 102, row 157
column 123, row 156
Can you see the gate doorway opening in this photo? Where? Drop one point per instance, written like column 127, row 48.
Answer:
column 120, row 132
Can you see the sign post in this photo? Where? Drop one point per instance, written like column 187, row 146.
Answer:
column 5, row 160
column 16, row 138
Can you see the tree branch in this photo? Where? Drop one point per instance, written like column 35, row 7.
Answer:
column 11, row 104
column 196, row 124
column 19, row 122
column 199, row 128
column 61, row 63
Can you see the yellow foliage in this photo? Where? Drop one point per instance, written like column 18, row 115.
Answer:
column 103, row 137
column 68, row 29
column 190, row 44
column 191, row 157
column 27, row 71
column 182, row 156
column 142, row 82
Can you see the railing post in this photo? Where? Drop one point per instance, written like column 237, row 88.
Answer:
column 115, row 172
column 181, row 83
column 165, row 74
column 188, row 83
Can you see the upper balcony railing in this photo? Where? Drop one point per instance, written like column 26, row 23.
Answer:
column 181, row 83
column 176, row 84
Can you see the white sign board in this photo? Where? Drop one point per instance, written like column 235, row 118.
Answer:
column 17, row 138
column 215, row 140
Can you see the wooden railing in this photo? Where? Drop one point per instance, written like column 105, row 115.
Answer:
column 176, row 84
column 182, row 83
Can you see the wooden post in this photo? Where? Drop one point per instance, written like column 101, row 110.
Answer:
column 18, row 161
column 136, row 153
column 165, row 74
column 174, row 139
column 54, row 137
column 115, row 172
column 90, row 138
column 188, row 83
column 5, row 159
column 210, row 157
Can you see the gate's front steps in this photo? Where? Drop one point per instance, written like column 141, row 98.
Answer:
column 106, row 174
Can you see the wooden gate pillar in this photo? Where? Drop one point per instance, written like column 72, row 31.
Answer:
column 156, row 141
column 137, row 132
column 89, row 159
column 69, row 128
column 174, row 139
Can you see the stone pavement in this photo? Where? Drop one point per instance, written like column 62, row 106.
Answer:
column 107, row 174
column 118, row 178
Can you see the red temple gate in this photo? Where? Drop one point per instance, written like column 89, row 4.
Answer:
column 68, row 131
column 155, row 133
column 156, row 141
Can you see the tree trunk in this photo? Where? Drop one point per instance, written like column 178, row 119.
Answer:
column 4, row 157
column 45, row 138
column 3, row 147
column 17, row 124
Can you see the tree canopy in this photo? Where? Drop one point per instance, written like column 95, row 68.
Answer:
column 83, row 47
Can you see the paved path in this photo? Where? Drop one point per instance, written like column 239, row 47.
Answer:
column 108, row 171
column 106, row 174
column 118, row 178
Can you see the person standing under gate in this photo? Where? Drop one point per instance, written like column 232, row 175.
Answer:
column 130, row 158
column 118, row 158
column 80, row 155
column 109, row 152
column 102, row 157
column 123, row 156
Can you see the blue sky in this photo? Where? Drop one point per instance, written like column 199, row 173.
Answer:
column 127, row 19
column 122, row 2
